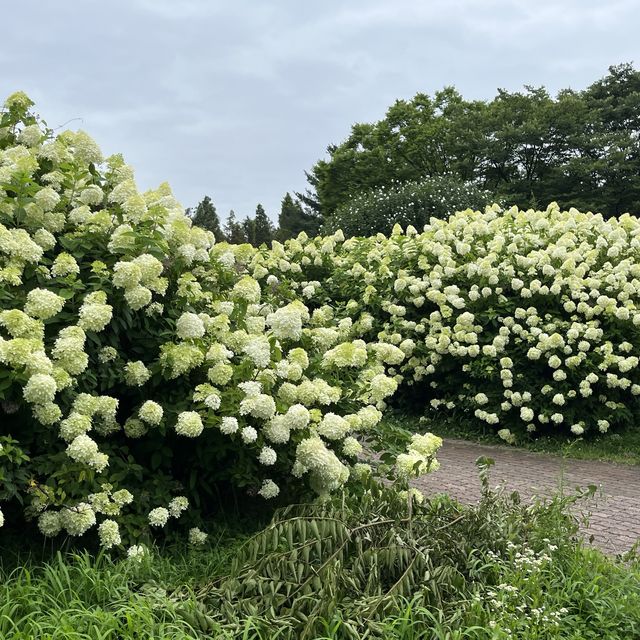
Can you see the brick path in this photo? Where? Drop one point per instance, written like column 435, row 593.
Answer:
column 615, row 512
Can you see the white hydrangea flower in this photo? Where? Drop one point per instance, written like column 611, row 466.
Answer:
column 577, row 429
column 267, row 455
column 229, row 425
column 122, row 497
column 297, row 417
column 351, row 447
column 507, row 436
column 248, row 435
column 250, row 388
column 151, row 413
column 78, row 519
column 31, row 135
column 382, row 386
column 107, row 354
column 527, row 414
column 64, row 265
column 269, row 490
column 158, row 517
column 47, row 198
column 137, row 553
column 177, row 506
column 261, row 406
column 43, row 304
column 247, row 289
column 259, row 350
column 40, row 389
column 189, row 424
column 413, row 465
column 286, row 323
column 85, row 450
column 276, row 430
column 136, row 373
column 109, row 534
column 50, row 523
column 189, row 326
column 327, row 471
column 138, row 297
column 347, row 354
column 333, row 427
column 95, row 314
column 135, row 428
column 197, row 537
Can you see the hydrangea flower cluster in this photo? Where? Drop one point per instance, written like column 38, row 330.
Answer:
column 144, row 359
column 420, row 457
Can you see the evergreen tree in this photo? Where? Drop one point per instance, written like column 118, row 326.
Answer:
column 249, row 229
column 263, row 227
column 205, row 216
column 233, row 230
column 293, row 219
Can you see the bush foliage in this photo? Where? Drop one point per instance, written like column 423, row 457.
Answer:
column 143, row 367
column 524, row 320
column 408, row 203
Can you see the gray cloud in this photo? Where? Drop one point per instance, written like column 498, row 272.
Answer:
column 237, row 99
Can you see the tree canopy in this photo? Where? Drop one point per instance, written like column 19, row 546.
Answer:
column 233, row 230
column 580, row 148
column 206, row 216
column 294, row 219
column 263, row 227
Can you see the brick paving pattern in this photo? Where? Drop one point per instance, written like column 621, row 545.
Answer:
column 614, row 513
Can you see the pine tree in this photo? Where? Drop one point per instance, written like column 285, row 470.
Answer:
column 249, row 229
column 293, row 219
column 233, row 230
column 263, row 227
column 205, row 216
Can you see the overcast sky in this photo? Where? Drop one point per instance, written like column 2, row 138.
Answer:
column 237, row 99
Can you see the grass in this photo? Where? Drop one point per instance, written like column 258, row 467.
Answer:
column 496, row 571
column 622, row 447
column 78, row 596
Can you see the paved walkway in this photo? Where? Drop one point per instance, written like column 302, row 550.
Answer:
column 615, row 511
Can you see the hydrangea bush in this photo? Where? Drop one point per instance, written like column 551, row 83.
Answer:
column 405, row 203
column 522, row 320
column 142, row 365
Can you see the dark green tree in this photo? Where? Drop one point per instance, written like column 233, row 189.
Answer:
column 611, row 141
column 233, row 230
column 206, row 216
column 522, row 147
column 263, row 229
column 249, row 230
column 424, row 137
column 293, row 219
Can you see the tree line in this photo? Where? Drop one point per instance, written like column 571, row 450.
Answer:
column 293, row 218
column 580, row 149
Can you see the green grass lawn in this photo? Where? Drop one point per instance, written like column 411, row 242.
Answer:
column 621, row 447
